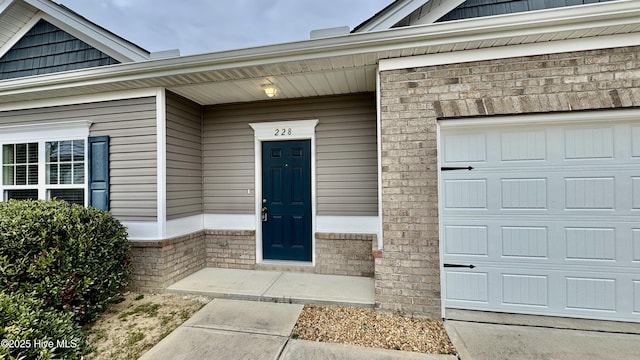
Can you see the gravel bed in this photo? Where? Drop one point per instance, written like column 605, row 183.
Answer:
column 367, row 327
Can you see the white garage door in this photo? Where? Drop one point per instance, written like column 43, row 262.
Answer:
column 549, row 216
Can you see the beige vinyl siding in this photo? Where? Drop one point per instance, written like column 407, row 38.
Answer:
column 184, row 157
column 346, row 158
column 131, row 126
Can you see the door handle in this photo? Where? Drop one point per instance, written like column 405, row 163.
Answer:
column 265, row 216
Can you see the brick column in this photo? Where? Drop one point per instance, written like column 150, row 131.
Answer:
column 407, row 274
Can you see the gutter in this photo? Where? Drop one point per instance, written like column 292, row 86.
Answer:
column 619, row 13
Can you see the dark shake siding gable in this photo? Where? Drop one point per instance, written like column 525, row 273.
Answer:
column 346, row 153
column 131, row 127
column 184, row 157
column 47, row 49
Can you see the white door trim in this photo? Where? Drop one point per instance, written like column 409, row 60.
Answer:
column 281, row 131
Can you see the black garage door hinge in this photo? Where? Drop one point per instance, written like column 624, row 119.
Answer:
column 449, row 168
column 459, row 266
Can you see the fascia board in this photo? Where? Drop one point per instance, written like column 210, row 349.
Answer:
column 85, row 30
column 584, row 17
column 438, row 11
column 392, row 15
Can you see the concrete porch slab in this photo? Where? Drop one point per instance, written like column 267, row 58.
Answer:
column 323, row 289
column 278, row 286
column 232, row 283
column 247, row 316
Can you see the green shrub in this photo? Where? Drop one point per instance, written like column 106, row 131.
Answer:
column 30, row 331
column 71, row 257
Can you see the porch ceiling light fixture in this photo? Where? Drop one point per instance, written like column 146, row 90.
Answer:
column 270, row 90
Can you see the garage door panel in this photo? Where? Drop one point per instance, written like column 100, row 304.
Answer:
column 593, row 193
column 524, row 193
column 465, row 286
column 525, row 242
column 555, row 194
column 545, row 292
column 466, row 147
column 466, row 240
column 465, row 193
column 530, row 290
column 590, row 244
column 548, row 216
column 589, row 142
column 549, row 242
column 523, row 145
column 586, row 293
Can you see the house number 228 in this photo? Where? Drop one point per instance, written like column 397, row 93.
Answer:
column 282, row 132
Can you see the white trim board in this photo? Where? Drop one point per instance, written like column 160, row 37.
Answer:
column 556, row 118
column 147, row 230
column 81, row 99
column 161, row 148
column 229, row 221
column 510, row 51
column 184, row 226
column 379, row 158
column 142, row 230
column 348, row 224
column 45, row 131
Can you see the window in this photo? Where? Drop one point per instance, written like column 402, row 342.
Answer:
column 65, row 166
column 20, row 170
column 44, row 170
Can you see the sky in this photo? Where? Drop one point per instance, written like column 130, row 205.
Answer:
column 202, row 26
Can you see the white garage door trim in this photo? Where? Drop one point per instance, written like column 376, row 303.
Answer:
column 568, row 279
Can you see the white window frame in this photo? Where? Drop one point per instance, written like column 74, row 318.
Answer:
column 41, row 134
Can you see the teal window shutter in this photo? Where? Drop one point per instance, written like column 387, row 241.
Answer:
column 98, row 156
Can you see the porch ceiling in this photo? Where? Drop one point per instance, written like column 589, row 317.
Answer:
column 293, row 80
column 330, row 66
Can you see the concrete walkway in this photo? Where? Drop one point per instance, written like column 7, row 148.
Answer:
column 230, row 327
column 279, row 286
column 237, row 329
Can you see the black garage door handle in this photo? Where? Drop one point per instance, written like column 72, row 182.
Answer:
column 449, row 168
column 459, row 266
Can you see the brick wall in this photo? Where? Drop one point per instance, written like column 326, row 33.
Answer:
column 336, row 254
column 235, row 249
column 407, row 274
column 158, row 264
column 345, row 254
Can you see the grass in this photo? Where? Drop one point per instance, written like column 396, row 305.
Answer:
column 136, row 322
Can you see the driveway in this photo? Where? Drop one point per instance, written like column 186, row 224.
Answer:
column 484, row 341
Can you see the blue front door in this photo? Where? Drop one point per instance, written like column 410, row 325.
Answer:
column 286, row 192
